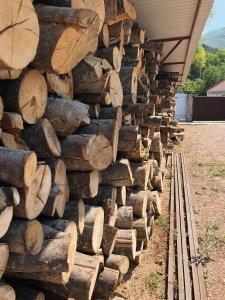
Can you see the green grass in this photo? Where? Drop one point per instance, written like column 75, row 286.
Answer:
column 153, row 281
column 219, row 173
column 209, row 242
column 162, row 222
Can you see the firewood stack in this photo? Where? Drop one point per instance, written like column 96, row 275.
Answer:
column 171, row 133
column 82, row 156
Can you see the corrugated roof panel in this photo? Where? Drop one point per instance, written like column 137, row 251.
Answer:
column 163, row 19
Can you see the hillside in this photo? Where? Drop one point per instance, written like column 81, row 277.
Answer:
column 215, row 38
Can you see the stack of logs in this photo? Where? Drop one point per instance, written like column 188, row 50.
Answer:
column 81, row 157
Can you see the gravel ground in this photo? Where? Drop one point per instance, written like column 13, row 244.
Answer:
column 204, row 147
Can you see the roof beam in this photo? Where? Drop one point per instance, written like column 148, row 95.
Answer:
column 172, row 39
column 192, row 30
column 171, row 51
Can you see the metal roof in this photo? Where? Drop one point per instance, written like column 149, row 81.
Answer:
column 179, row 24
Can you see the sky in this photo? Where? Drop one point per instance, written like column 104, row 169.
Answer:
column 217, row 19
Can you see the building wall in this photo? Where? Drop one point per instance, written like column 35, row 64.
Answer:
column 216, row 93
column 209, row 108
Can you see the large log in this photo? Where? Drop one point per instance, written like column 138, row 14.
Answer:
column 19, row 34
column 156, row 201
column 103, row 38
column 59, row 193
column 106, row 198
column 109, row 128
column 112, row 55
column 109, row 239
column 34, row 198
column 26, row 95
column 128, row 137
column 75, row 211
column 90, row 240
column 66, row 36
column 116, row 34
column 86, row 152
column 138, row 199
column 57, row 255
column 9, row 74
column 41, row 138
column 83, row 184
column 141, row 172
column 141, row 226
column 83, row 276
column 4, row 254
column 137, row 35
column 128, row 77
column 106, row 284
column 24, row 237
column 65, row 115
column 81, row 282
column 94, row 76
column 97, row 5
column 124, row 218
column 118, row 262
column 111, row 113
column 126, row 243
column 118, row 174
column 7, row 292
column 18, row 166
column 61, row 85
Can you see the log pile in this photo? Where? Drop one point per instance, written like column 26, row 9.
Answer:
column 83, row 135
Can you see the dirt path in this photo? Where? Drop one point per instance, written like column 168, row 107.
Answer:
column 204, row 147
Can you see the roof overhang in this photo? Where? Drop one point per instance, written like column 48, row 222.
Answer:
column 177, row 23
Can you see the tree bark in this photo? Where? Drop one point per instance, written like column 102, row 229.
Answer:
column 106, row 284
column 26, row 292
column 118, row 262
column 65, row 115
column 128, row 77
column 24, row 237
column 19, row 166
column 109, row 128
column 124, row 218
column 118, row 174
column 56, row 255
column 83, row 184
column 109, row 239
column 141, row 226
column 121, row 10
column 141, row 173
column 42, row 139
column 126, row 243
column 26, row 95
column 106, row 198
column 90, row 240
column 86, row 152
column 138, row 199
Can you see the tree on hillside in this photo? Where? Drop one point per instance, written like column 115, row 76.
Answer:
column 208, row 69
